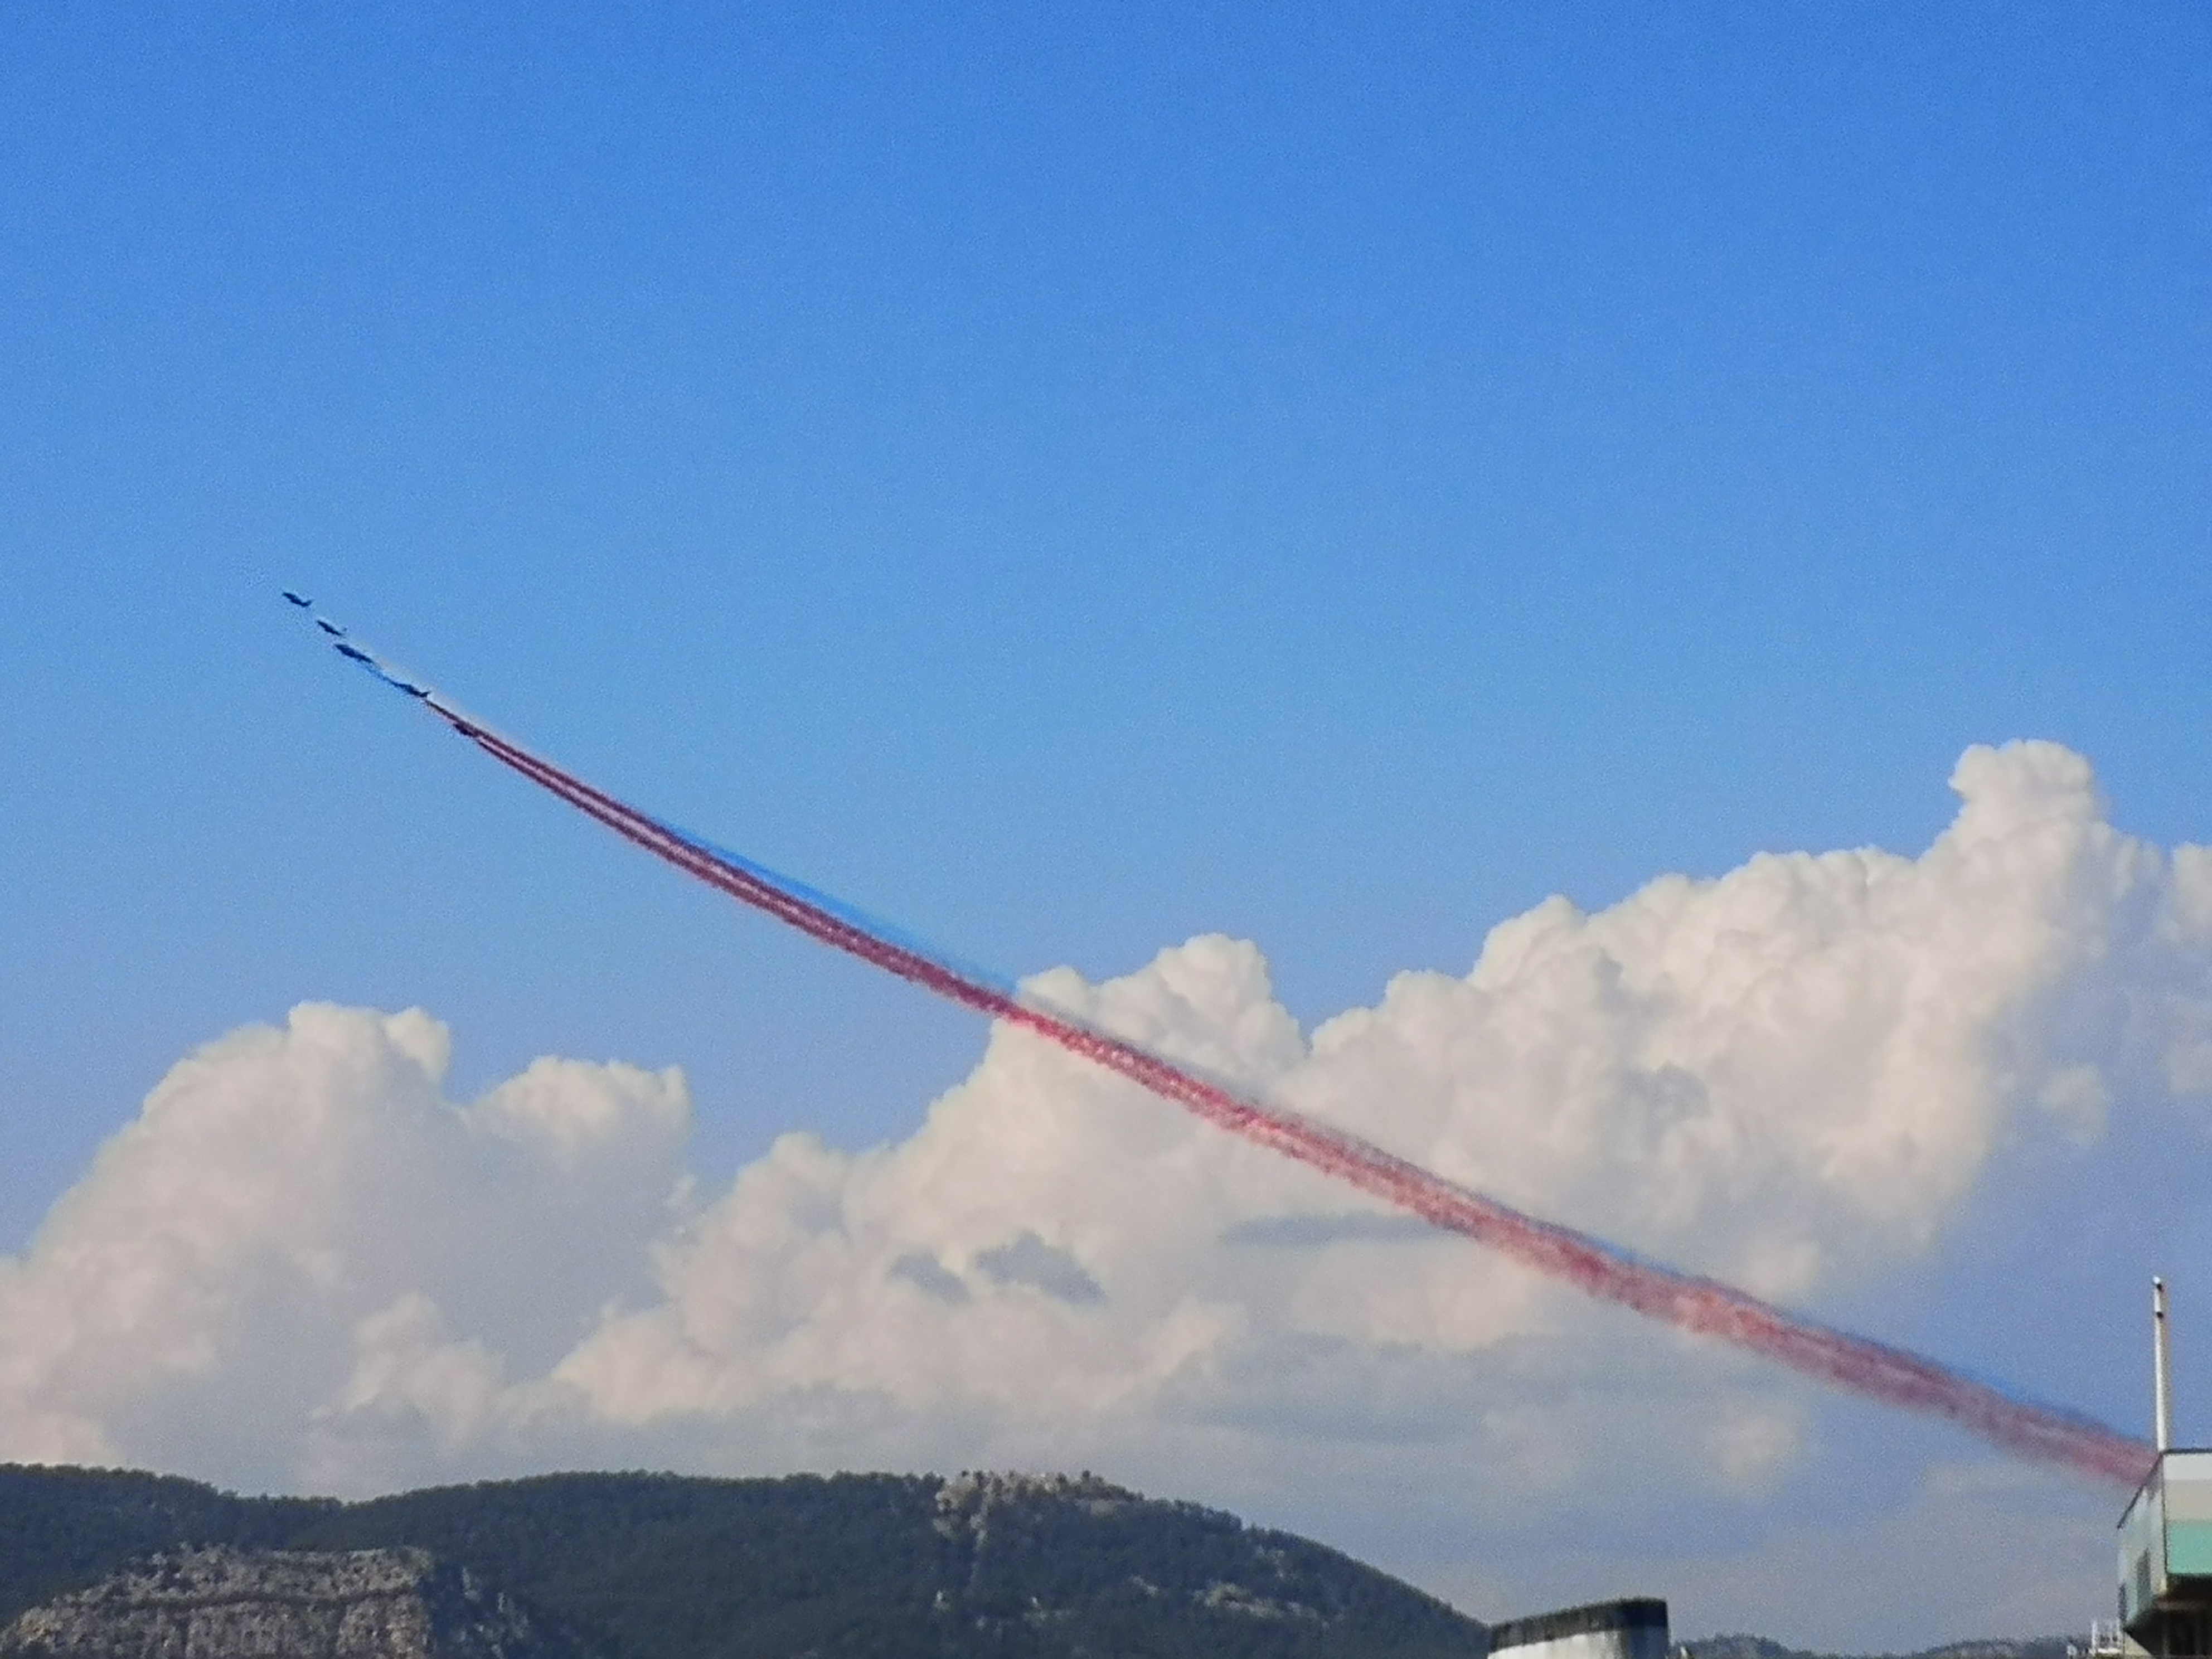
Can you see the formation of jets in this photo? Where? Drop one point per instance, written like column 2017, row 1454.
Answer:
column 353, row 652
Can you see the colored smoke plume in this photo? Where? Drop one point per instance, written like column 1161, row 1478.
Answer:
column 1701, row 1306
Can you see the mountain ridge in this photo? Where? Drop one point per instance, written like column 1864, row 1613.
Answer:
column 1739, row 1646
column 647, row 1566
column 641, row 1565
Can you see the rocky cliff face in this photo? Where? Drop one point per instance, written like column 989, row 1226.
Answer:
column 235, row 1604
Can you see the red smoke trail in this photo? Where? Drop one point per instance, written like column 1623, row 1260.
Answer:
column 1894, row 1376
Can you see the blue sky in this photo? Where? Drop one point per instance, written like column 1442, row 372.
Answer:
column 1067, row 481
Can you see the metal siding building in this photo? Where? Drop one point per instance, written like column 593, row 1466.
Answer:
column 2165, row 1557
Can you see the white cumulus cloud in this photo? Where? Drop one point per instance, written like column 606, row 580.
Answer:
column 302, row 1265
column 288, row 1197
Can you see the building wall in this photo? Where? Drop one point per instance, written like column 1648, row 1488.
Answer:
column 1593, row 1645
column 1605, row 1630
column 2188, row 1514
column 2166, row 1559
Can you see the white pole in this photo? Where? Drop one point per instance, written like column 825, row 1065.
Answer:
column 2162, row 1383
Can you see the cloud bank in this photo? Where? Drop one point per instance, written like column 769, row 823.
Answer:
column 302, row 1266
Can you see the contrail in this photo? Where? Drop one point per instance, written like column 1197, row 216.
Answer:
column 1856, row 1364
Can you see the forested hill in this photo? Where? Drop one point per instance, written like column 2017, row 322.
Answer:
column 857, row 1566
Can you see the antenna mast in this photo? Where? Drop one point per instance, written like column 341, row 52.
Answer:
column 2161, row 1381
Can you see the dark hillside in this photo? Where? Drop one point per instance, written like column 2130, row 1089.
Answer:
column 63, row 1528
column 896, row 1565
column 663, row 1565
column 859, row 1566
column 656, row 1567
